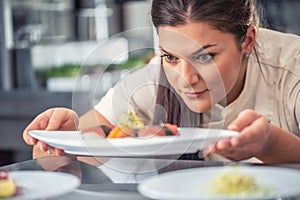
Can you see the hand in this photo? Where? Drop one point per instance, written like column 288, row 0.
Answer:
column 51, row 119
column 254, row 135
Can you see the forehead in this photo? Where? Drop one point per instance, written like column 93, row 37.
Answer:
column 190, row 37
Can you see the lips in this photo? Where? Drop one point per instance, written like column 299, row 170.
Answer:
column 193, row 95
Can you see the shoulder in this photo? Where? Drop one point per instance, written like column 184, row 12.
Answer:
column 278, row 49
column 270, row 37
column 278, row 53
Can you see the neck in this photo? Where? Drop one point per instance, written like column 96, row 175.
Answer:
column 239, row 84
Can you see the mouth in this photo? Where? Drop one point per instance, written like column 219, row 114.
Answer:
column 194, row 95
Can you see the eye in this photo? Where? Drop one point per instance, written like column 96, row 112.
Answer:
column 169, row 58
column 205, row 58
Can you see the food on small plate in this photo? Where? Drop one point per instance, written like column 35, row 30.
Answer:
column 129, row 125
column 8, row 186
column 235, row 183
column 132, row 126
column 131, row 120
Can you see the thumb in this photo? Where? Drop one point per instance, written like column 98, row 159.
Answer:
column 244, row 119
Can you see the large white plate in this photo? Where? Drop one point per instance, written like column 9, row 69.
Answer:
column 193, row 183
column 190, row 140
column 42, row 184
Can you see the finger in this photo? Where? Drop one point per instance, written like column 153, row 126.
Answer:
column 54, row 151
column 39, row 123
column 28, row 139
column 223, row 144
column 244, row 119
column 243, row 139
column 42, row 146
column 232, row 154
column 238, row 154
column 59, row 117
column 56, row 119
column 59, row 152
column 71, row 122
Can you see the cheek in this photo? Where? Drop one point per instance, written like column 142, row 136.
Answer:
column 226, row 70
column 220, row 79
column 212, row 75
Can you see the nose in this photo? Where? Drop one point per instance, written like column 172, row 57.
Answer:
column 188, row 74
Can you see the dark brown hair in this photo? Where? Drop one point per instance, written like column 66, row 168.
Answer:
column 228, row 16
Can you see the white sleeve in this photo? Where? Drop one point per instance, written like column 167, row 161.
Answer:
column 136, row 91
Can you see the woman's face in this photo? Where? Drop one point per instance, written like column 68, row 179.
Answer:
column 202, row 64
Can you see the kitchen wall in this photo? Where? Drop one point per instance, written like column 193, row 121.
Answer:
column 52, row 33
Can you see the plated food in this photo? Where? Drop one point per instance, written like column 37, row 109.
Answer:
column 132, row 138
column 131, row 125
column 189, row 140
column 8, row 187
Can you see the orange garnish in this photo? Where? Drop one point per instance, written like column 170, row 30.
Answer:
column 114, row 132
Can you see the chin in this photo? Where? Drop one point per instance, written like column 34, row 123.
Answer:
column 199, row 107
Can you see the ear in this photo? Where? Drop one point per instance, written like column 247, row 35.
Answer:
column 249, row 40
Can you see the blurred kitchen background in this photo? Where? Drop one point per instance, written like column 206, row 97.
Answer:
column 52, row 54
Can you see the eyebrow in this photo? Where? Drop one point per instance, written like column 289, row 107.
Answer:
column 195, row 52
column 203, row 48
column 164, row 50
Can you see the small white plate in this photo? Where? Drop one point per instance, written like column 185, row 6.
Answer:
column 192, row 183
column 190, row 140
column 42, row 184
